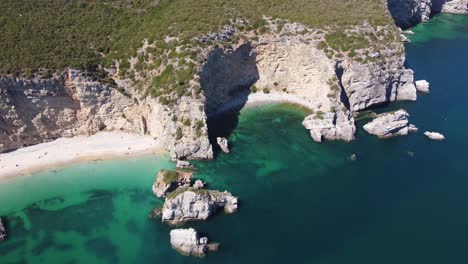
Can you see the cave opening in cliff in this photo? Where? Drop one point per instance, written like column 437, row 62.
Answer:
column 226, row 80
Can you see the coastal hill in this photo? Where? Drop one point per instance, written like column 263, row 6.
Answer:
column 163, row 67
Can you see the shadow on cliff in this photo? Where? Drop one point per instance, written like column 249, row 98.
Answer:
column 226, row 79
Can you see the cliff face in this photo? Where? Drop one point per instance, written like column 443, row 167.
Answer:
column 36, row 111
column 408, row 13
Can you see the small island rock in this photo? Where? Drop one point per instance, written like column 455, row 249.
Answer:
column 187, row 242
column 390, row 124
column 223, row 144
column 434, row 136
column 330, row 126
column 422, row 86
column 3, row 233
column 190, row 204
column 167, row 180
column 183, row 164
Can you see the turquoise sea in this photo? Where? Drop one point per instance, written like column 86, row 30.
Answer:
column 404, row 200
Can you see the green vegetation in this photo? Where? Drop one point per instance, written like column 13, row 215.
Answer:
column 253, row 89
column 319, row 114
column 170, row 176
column 178, row 134
column 266, row 90
column 180, row 190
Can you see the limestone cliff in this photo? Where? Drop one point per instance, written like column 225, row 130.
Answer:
column 408, row 13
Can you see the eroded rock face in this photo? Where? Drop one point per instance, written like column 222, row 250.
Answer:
column 3, row 232
column 187, row 242
column 331, row 126
column 39, row 110
column 407, row 13
column 389, row 124
column 422, row 86
column 189, row 204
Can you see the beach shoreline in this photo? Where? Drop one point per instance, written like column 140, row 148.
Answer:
column 63, row 152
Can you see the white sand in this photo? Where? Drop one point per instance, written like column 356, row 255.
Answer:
column 65, row 151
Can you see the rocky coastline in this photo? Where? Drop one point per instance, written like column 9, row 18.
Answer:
column 289, row 63
column 3, row 232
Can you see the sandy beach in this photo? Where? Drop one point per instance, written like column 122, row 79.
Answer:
column 66, row 151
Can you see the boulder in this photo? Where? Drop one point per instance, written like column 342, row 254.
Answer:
column 330, row 126
column 223, row 144
column 434, row 136
column 183, row 164
column 422, row 86
column 3, row 233
column 187, row 242
column 389, row 124
column 167, row 180
column 190, row 204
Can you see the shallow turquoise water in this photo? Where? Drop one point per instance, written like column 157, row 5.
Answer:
column 302, row 202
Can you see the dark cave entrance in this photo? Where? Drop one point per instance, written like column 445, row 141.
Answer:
column 226, row 80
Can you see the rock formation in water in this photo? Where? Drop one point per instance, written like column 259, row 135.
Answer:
column 3, row 232
column 389, row 125
column 422, row 86
column 408, row 13
column 223, row 144
column 187, row 242
column 190, row 204
column 434, row 136
column 330, row 126
column 167, row 181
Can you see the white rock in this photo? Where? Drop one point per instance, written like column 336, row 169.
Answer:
column 187, row 242
column 422, row 86
column 163, row 183
column 330, row 126
column 223, row 143
column 434, row 136
column 192, row 204
column 389, row 124
column 3, row 233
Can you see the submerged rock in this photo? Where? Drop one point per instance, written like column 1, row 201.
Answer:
column 223, row 144
column 422, row 86
column 434, row 136
column 389, row 125
column 190, row 204
column 187, row 242
column 167, row 180
column 183, row 164
column 330, row 126
column 3, row 233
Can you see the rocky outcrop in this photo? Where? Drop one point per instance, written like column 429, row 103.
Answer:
column 451, row 6
column 187, row 242
column 37, row 110
column 434, row 136
column 389, row 125
column 3, row 232
column 223, row 144
column 190, row 204
column 422, row 86
column 330, row 126
column 183, row 164
column 167, row 181
column 407, row 13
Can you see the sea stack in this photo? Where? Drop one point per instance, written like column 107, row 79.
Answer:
column 189, row 204
column 434, row 136
column 390, row 124
column 167, row 180
column 422, row 86
column 3, row 233
column 223, row 144
column 187, row 242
